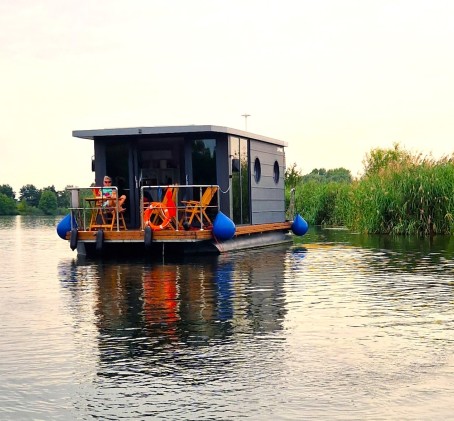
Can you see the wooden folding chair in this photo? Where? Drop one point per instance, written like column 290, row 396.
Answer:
column 97, row 219
column 102, row 215
column 112, row 218
column 197, row 209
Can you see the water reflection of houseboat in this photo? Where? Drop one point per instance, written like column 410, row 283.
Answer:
column 139, row 308
column 190, row 188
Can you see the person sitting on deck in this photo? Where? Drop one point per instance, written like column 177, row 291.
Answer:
column 109, row 193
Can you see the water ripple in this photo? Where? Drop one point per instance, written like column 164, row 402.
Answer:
column 341, row 326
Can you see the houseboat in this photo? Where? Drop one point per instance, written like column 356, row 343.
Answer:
column 187, row 189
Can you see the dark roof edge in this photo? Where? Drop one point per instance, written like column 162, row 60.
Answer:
column 91, row 134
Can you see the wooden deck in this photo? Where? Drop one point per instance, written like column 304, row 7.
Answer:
column 252, row 229
column 181, row 235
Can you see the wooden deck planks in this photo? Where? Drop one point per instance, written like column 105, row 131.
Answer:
column 171, row 235
column 251, row 229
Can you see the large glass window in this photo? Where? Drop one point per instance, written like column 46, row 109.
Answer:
column 240, row 180
column 117, row 165
column 204, row 161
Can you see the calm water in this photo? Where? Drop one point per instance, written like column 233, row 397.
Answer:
column 338, row 327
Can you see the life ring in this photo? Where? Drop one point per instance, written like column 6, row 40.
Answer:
column 164, row 214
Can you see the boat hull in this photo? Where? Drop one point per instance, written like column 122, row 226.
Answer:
column 170, row 242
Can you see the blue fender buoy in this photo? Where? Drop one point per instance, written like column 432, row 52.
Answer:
column 223, row 227
column 64, row 226
column 299, row 225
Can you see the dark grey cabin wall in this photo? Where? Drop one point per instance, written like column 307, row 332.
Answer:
column 267, row 197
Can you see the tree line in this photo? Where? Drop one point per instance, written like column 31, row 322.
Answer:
column 49, row 201
column 399, row 193
column 33, row 201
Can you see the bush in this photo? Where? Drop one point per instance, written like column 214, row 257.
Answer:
column 48, row 202
column 7, row 205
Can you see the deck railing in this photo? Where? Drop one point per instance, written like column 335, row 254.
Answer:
column 84, row 204
column 186, row 201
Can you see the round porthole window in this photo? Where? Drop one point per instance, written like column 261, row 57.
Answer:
column 257, row 170
column 276, row 172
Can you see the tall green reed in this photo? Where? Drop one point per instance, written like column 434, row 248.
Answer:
column 400, row 193
column 412, row 197
column 321, row 203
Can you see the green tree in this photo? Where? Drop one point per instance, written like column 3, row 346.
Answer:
column 318, row 175
column 30, row 194
column 48, row 202
column 292, row 176
column 379, row 159
column 63, row 198
column 339, row 175
column 50, row 188
column 7, row 205
column 23, row 207
column 7, row 190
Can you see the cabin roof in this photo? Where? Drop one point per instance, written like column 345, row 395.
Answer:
column 158, row 130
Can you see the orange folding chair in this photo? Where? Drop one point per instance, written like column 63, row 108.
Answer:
column 160, row 215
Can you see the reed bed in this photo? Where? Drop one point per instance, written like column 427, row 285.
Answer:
column 405, row 198
column 403, row 195
column 322, row 203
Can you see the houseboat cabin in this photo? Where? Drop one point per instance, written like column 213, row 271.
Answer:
column 177, row 181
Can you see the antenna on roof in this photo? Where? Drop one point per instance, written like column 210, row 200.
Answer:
column 245, row 120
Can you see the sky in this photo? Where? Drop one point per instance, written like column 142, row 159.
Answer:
column 332, row 78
